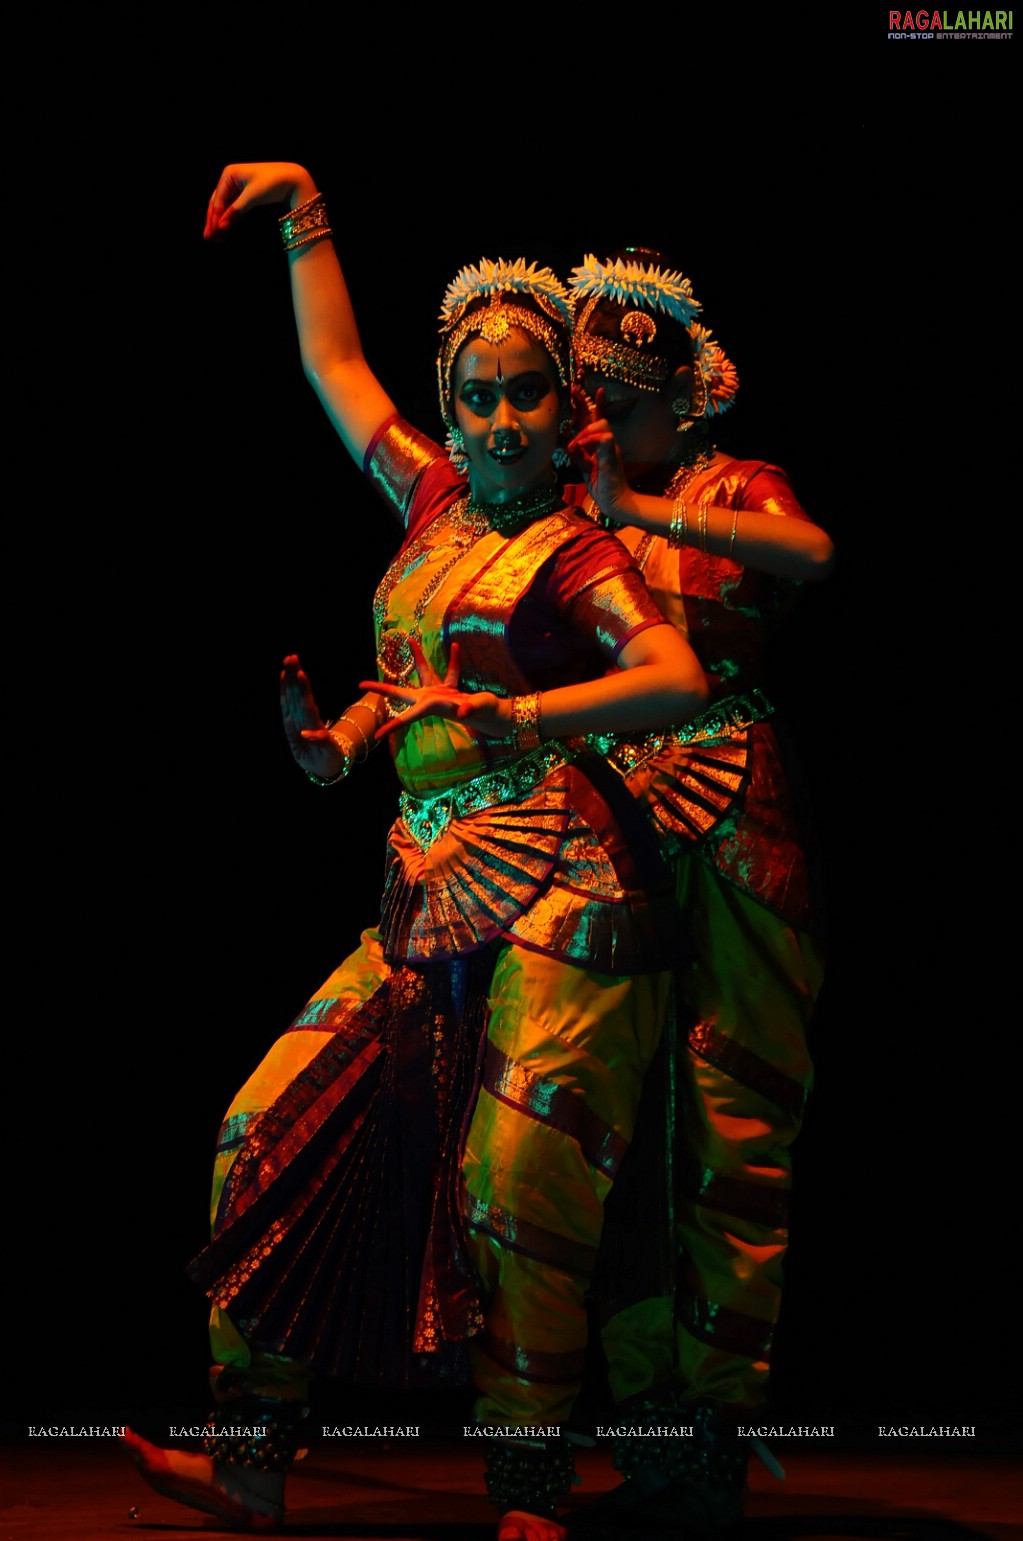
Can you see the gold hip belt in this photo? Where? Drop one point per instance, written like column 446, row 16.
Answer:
column 427, row 815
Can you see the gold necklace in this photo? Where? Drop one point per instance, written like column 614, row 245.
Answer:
column 469, row 520
column 531, row 505
column 687, row 472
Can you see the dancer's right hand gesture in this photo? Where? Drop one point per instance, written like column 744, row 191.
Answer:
column 249, row 185
column 328, row 336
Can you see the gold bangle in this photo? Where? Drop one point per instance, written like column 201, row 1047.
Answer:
column 309, row 240
column 342, row 745
column 329, row 781
column 302, row 208
column 306, row 224
column 525, row 716
column 731, row 538
column 339, row 739
column 701, row 522
column 678, row 529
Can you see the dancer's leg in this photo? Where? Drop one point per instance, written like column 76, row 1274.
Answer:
column 566, row 1053
column 701, row 1356
column 260, row 1397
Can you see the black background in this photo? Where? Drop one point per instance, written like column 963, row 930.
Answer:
column 187, row 517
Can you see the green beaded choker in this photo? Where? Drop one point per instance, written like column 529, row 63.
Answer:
column 532, row 505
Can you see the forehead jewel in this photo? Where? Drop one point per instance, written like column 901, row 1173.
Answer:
column 505, row 285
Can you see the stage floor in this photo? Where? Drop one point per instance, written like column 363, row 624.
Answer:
column 77, row 1490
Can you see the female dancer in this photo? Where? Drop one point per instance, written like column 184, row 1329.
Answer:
column 387, row 1198
column 719, row 542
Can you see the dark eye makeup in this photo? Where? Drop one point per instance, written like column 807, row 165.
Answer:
column 477, row 396
column 526, row 391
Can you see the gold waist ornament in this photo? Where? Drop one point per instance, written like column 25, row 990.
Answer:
column 427, row 816
column 729, row 716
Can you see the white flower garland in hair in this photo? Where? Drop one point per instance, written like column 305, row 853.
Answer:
column 505, row 277
column 719, row 374
column 630, row 283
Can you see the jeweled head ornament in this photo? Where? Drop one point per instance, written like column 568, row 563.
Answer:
column 712, row 365
column 488, row 301
column 618, row 307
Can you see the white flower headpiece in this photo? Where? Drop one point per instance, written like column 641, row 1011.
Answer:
column 547, row 319
column 719, row 374
column 500, row 277
column 635, row 358
column 630, row 283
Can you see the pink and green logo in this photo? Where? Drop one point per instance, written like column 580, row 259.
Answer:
column 993, row 24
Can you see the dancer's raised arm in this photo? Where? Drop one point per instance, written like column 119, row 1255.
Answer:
column 328, row 335
column 767, row 538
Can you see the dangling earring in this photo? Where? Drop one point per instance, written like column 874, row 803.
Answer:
column 455, row 446
column 560, row 457
column 690, row 406
column 680, row 406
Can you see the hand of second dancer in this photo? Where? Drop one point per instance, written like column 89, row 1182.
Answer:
column 595, row 453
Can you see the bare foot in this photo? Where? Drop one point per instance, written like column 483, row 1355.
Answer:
column 247, row 1499
column 517, row 1525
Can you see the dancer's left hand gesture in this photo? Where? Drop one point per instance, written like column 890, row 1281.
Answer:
column 435, row 697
